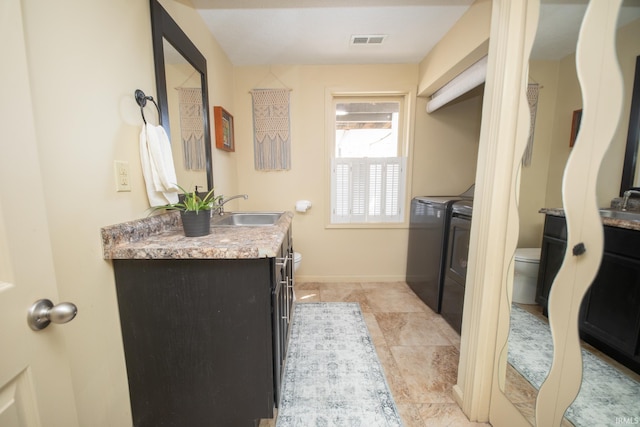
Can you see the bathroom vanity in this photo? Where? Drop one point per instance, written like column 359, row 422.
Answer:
column 204, row 320
column 610, row 312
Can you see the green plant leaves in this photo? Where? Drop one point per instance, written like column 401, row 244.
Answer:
column 191, row 202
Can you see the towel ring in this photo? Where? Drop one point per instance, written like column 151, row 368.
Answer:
column 141, row 99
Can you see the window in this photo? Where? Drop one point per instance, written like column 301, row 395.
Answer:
column 367, row 168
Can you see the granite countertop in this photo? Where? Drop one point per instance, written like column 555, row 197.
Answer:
column 611, row 222
column 161, row 237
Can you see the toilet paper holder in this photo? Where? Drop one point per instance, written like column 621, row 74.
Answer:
column 303, row 205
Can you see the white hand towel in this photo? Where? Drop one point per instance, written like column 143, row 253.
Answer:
column 157, row 166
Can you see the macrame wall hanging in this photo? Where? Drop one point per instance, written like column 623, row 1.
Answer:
column 532, row 98
column 271, row 129
column 192, row 127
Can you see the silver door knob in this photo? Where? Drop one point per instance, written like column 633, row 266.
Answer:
column 43, row 312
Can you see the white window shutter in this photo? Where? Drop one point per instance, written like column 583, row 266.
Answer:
column 375, row 189
column 358, row 190
column 340, row 184
column 367, row 190
column 392, row 191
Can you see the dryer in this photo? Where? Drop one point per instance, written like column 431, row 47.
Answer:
column 457, row 260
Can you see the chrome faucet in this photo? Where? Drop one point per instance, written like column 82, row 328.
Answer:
column 627, row 194
column 220, row 206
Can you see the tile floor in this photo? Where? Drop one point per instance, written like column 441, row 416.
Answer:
column 417, row 348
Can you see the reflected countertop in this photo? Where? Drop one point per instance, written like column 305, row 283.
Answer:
column 161, row 237
column 611, row 222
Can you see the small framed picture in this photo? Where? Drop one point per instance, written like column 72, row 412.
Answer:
column 575, row 126
column 223, row 122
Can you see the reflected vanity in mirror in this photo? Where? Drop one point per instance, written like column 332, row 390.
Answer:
column 530, row 346
column 182, row 94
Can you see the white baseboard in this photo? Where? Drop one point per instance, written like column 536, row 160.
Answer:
column 348, row 279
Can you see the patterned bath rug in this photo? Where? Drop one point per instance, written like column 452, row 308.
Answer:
column 606, row 396
column 333, row 377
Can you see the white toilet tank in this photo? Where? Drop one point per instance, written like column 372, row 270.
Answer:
column 297, row 258
column 525, row 277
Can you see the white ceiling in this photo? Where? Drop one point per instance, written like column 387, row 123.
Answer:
column 262, row 32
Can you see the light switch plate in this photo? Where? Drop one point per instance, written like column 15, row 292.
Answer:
column 122, row 175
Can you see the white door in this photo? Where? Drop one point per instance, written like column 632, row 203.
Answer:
column 35, row 382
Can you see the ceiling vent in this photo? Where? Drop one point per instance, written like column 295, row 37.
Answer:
column 368, row 39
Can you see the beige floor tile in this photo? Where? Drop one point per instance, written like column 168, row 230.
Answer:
column 341, row 285
column 307, row 295
column 429, row 371
column 518, row 389
column 346, row 295
column 377, row 337
column 394, row 301
column 307, row 291
column 445, row 414
column 402, row 286
column 268, row 422
column 392, row 373
column 307, row 285
column 447, row 331
column 410, row 414
column 415, row 328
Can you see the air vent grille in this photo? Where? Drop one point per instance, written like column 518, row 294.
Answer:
column 367, row 39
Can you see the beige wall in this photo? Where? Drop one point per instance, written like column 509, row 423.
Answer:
column 533, row 178
column 444, row 158
column 446, row 146
column 85, row 61
column 462, row 46
column 329, row 254
column 568, row 99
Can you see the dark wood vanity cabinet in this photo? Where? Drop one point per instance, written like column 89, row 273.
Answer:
column 610, row 311
column 199, row 337
column 282, row 301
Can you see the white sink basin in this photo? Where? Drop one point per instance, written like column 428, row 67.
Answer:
column 616, row 214
column 247, row 219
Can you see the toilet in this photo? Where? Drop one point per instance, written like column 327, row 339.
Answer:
column 297, row 258
column 525, row 277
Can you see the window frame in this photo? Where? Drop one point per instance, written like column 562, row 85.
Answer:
column 406, row 99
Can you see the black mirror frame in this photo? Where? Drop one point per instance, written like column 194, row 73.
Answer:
column 164, row 27
column 633, row 136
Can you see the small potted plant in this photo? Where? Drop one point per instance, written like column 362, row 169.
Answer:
column 195, row 211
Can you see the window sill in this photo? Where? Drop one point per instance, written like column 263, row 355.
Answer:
column 369, row 225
